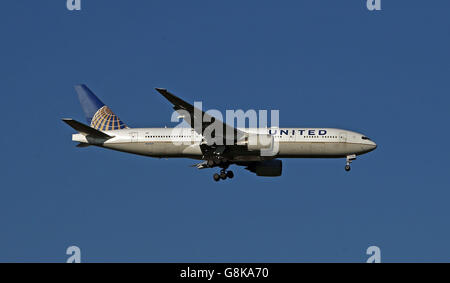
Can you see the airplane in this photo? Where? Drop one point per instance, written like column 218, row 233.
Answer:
column 106, row 130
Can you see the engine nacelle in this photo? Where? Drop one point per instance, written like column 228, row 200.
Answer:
column 267, row 168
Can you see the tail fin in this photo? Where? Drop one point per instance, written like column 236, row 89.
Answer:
column 98, row 115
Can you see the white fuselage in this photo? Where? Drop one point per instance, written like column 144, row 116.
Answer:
column 185, row 142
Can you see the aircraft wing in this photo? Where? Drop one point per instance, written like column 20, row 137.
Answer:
column 199, row 120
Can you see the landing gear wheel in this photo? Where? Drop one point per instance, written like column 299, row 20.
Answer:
column 216, row 177
column 350, row 158
column 230, row 174
column 223, row 175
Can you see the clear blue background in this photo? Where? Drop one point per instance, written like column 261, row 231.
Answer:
column 321, row 63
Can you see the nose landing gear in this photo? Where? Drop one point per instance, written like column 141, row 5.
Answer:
column 350, row 158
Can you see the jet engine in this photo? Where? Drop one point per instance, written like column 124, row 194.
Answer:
column 266, row 168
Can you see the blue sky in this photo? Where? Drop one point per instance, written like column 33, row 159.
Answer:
column 321, row 63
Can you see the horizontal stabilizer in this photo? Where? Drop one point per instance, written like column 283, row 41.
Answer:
column 86, row 130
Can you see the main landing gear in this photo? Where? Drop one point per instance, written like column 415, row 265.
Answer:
column 350, row 158
column 223, row 175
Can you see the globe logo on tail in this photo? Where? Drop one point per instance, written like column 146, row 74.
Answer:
column 105, row 120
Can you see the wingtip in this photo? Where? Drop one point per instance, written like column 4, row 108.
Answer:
column 161, row 90
column 80, row 86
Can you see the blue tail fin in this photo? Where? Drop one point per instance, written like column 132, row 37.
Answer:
column 98, row 115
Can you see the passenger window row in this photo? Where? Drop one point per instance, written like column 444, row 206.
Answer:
column 167, row 136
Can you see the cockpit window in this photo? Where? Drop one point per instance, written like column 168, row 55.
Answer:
column 365, row 138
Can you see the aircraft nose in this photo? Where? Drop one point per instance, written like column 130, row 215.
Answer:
column 368, row 147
